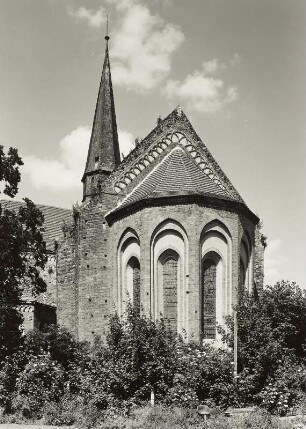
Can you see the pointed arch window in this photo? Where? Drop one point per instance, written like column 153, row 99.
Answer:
column 169, row 259
column 169, row 264
column 129, row 271
column 133, row 282
column 209, row 284
column 242, row 275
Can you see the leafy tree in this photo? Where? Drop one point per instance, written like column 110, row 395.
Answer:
column 22, row 256
column 140, row 355
column 9, row 171
column 271, row 339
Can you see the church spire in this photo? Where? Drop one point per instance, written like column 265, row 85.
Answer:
column 103, row 153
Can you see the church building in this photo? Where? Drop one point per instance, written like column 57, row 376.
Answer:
column 164, row 229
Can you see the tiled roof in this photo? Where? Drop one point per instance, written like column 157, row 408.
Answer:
column 54, row 218
column 176, row 130
column 103, row 152
column 176, row 174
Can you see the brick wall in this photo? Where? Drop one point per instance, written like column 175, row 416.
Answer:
column 87, row 261
column 259, row 261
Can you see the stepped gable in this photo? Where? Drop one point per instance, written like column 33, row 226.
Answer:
column 54, row 219
column 192, row 170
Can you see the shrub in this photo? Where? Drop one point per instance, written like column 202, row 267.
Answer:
column 139, row 355
column 270, row 332
column 41, row 381
column 284, row 389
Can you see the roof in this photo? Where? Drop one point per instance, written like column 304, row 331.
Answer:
column 176, row 174
column 171, row 161
column 175, row 129
column 103, row 152
column 54, row 218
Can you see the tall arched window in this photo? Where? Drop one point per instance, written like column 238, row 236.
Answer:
column 216, row 284
column 209, row 285
column 169, row 264
column 245, row 270
column 129, row 271
column 133, row 282
column 242, row 275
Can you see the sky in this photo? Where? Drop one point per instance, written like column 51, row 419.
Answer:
column 237, row 68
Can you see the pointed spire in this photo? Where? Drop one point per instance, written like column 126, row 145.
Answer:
column 103, row 154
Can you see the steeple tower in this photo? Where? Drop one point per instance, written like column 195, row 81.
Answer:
column 103, row 153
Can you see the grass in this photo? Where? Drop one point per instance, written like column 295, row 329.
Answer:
column 169, row 418
column 177, row 418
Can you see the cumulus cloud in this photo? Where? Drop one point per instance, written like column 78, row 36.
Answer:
column 202, row 94
column 213, row 66
column 274, row 262
column 201, row 90
column 126, row 142
column 93, row 18
column 65, row 172
column 142, row 46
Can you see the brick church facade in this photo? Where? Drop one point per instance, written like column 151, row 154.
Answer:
column 164, row 229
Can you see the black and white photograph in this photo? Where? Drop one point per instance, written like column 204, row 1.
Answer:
column 152, row 214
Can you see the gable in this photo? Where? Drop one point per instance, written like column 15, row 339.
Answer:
column 139, row 176
column 176, row 174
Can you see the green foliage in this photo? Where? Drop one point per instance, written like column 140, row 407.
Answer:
column 22, row 256
column 271, row 340
column 59, row 342
column 284, row 389
column 58, row 345
column 140, row 355
column 54, row 376
column 41, row 381
column 9, row 171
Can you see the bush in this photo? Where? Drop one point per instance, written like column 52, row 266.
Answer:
column 55, row 347
column 54, row 376
column 271, row 338
column 140, row 355
column 41, row 381
column 285, row 388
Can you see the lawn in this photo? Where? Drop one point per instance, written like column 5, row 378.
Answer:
column 177, row 418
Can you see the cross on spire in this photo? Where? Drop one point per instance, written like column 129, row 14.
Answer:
column 107, row 35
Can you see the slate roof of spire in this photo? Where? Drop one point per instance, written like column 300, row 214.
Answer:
column 103, row 153
column 54, row 219
column 176, row 174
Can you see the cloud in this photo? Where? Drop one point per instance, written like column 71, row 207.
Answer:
column 65, row 172
column 203, row 92
column 275, row 262
column 93, row 18
column 213, row 66
column 126, row 142
column 142, row 46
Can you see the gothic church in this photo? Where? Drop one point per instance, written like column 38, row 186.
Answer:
column 164, row 229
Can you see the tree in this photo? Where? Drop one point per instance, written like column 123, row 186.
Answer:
column 9, row 171
column 272, row 328
column 22, row 256
column 271, row 340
